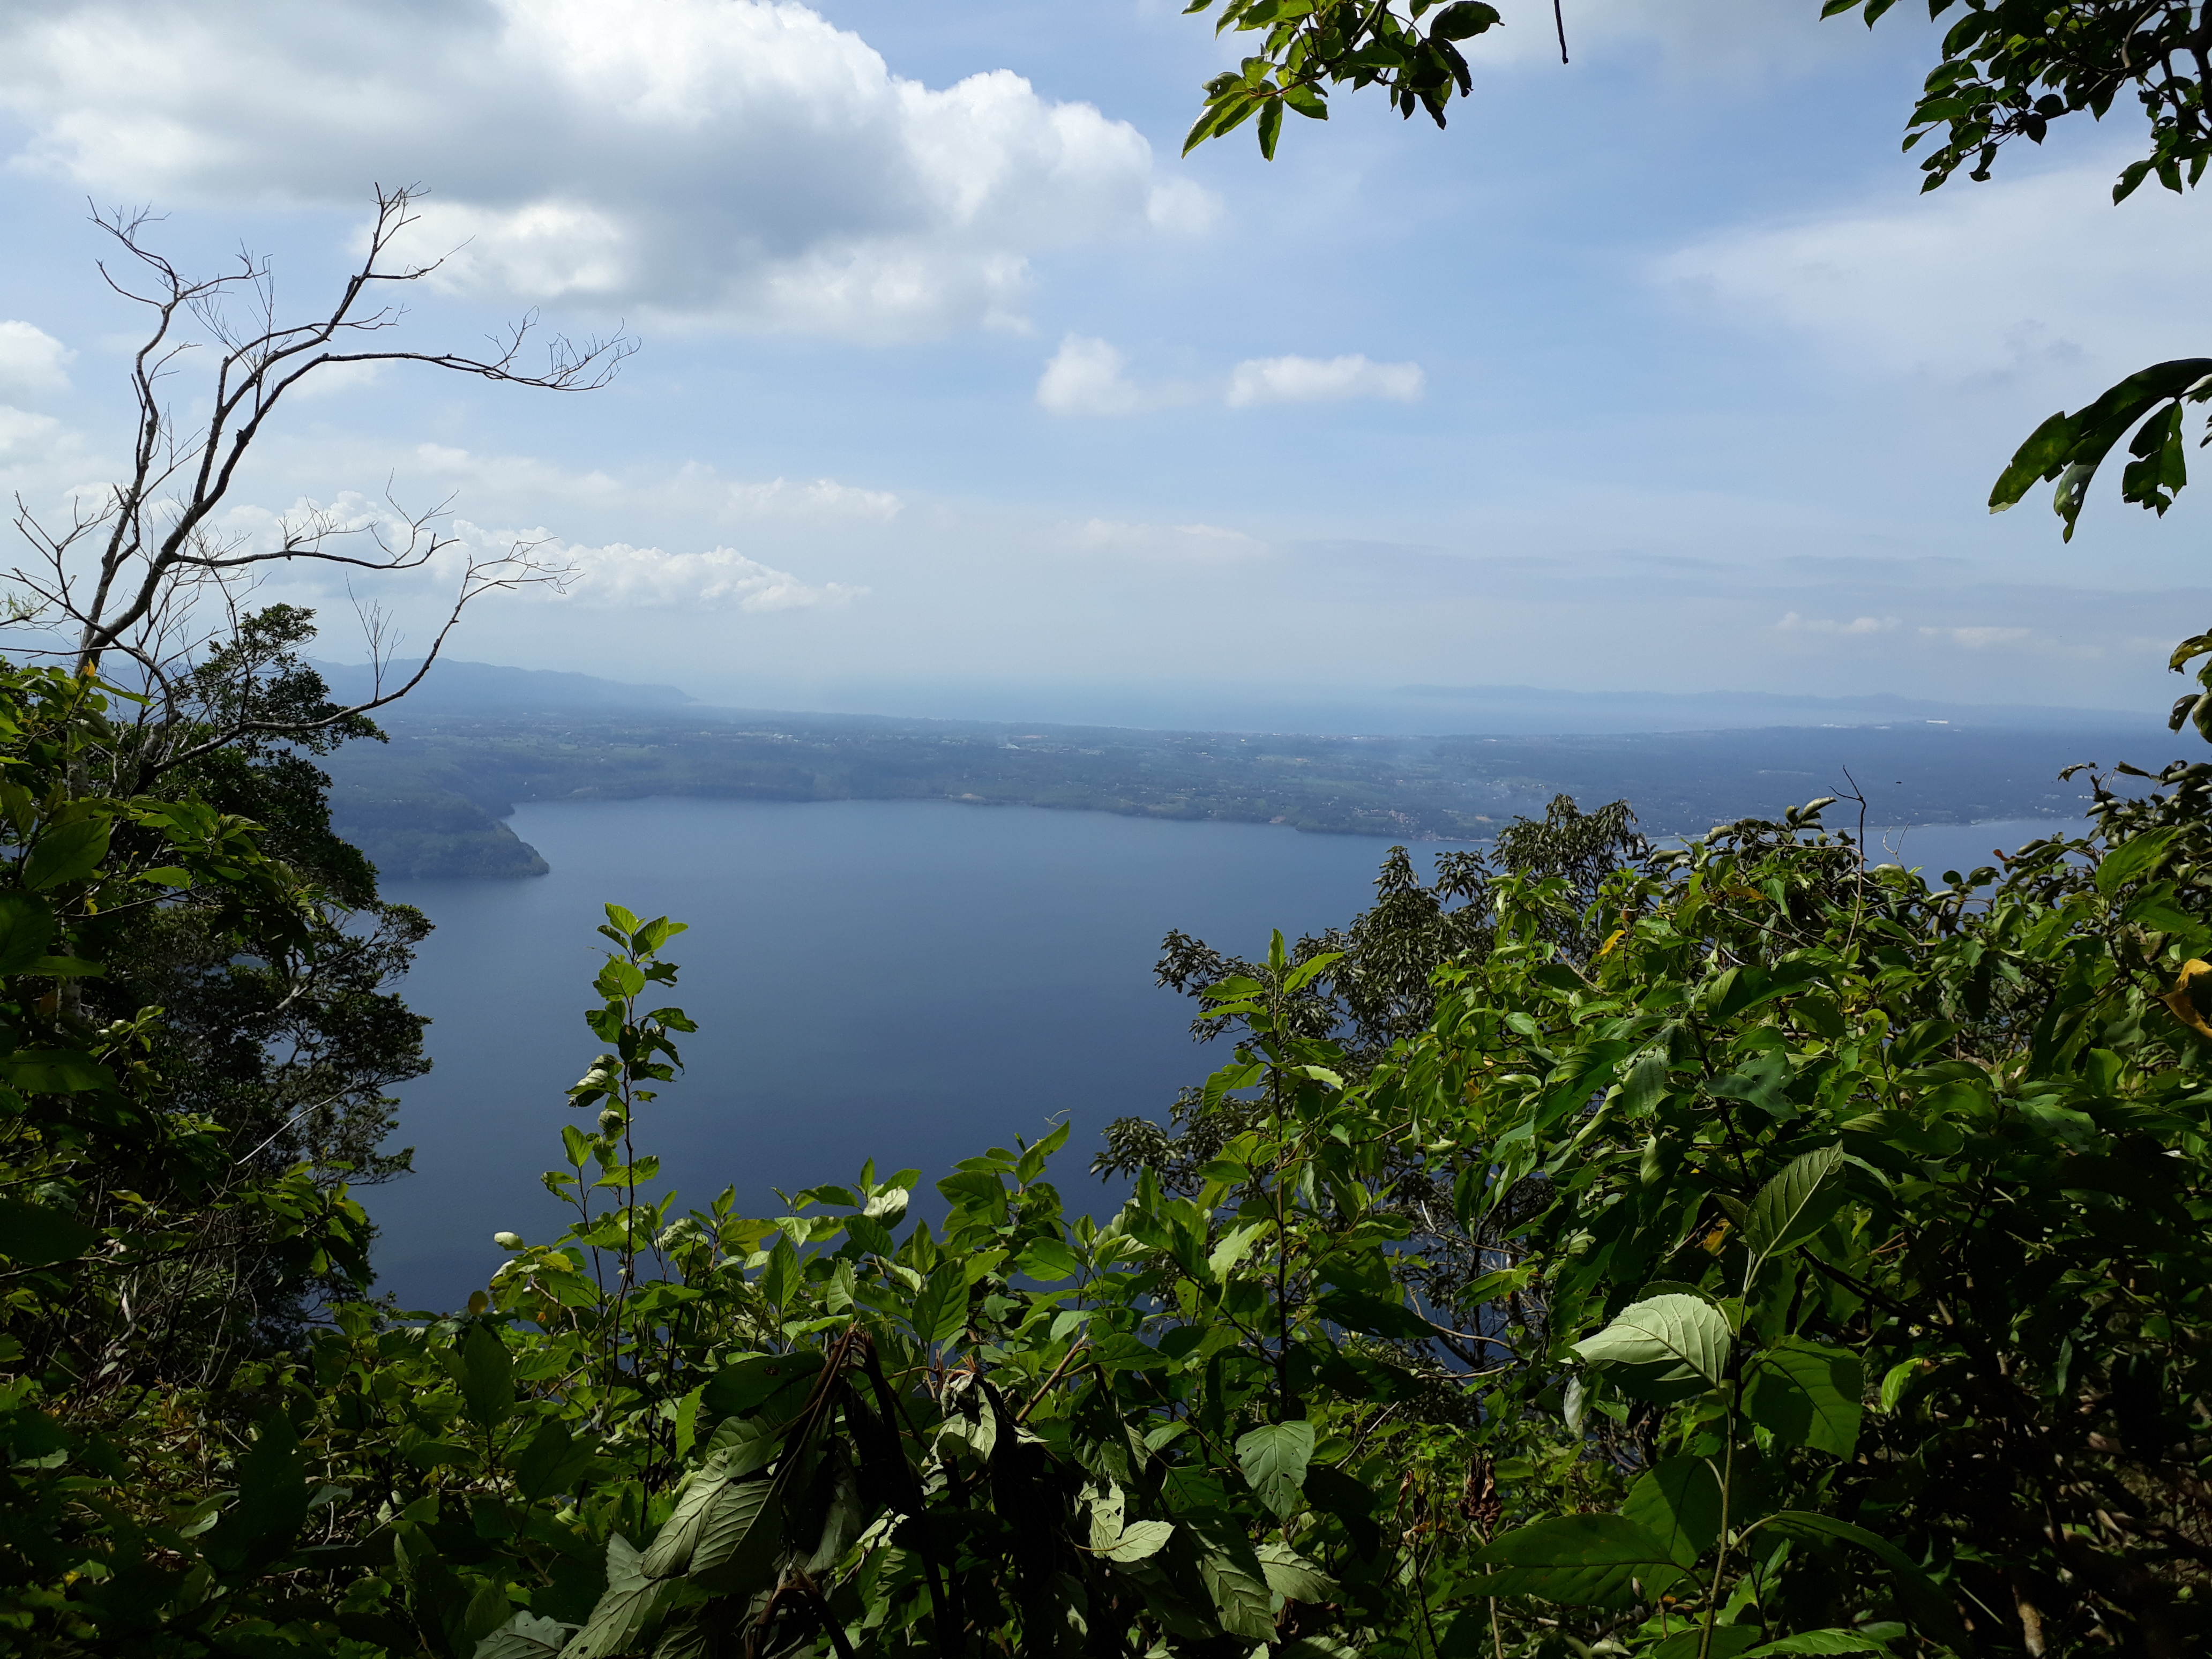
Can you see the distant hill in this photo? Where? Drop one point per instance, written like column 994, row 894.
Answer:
column 432, row 802
column 482, row 688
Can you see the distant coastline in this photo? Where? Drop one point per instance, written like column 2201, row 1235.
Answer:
column 433, row 801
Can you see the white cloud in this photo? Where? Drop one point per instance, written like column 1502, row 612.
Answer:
column 2018, row 274
column 616, row 576
column 515, row 480
column 1795, row 623
column 30, row 361
column 821, row 497
column 1315, row 379
column 24, row 436
column 1976, row 639
column 1085, row 377
column 1088, row 376
column 737, row 162
column 620, row 576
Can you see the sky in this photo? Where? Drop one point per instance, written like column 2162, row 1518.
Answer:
column 958, row 392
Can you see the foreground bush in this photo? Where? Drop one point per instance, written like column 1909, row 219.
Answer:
column 1748, row 1251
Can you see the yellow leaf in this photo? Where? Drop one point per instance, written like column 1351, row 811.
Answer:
column 2182, row 1004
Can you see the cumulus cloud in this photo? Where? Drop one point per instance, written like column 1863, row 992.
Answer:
column 31, row 362
column 1319, row 380
column 624, row 577
column 1085, row 377
column 737, row 161
column 1794, row 623
column 693, row 488
column 2017, row 275
column 616, row 576
column 818, row 497
column 26, row 437
column 1088, row 376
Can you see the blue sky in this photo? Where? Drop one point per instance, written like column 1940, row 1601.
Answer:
column 960, row 392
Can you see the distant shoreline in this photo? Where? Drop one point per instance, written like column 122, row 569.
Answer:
column 434, row 801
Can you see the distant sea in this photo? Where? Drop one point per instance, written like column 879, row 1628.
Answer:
column 909, row 982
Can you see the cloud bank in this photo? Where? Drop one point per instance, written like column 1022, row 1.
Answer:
column 1315, row 380
column 737, row 162
column 1088, row 376
column 623, row 577
column 2020, row 275
column 32, row 363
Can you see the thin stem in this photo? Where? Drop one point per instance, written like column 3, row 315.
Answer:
column 1720, row 1560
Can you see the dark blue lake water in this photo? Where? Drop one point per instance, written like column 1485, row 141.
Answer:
column 907, row 982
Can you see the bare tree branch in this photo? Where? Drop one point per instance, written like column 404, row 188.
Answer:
column 134, row 573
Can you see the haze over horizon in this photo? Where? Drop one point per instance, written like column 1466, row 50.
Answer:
column 961, row 393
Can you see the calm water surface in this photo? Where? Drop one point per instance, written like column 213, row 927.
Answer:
column 910, row 982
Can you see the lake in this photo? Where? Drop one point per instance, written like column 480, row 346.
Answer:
column 909, row 982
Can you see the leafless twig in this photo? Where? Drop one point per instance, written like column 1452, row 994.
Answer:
column 137, row 573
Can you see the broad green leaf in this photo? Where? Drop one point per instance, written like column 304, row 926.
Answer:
column 487, row 1376
column 2137, row 857
column 1274, row 1457
column 626, row 1615
column 551, row 1461
column 526, row 1636
column 778, row 1279
column 38, row 1236
column 27, row 928
column 1047, row 1260
column 1678, row 1502
column 1293, row 1578
column 670, row 1552
column 977, row 1192
column 1806, row 1393
column 1307, row 971
column 1464, row 18
column 1371, row 1314
column 1125, row 1541
column 1729, row 1642
column 1234, row 1245
column 1797, row 1204
column 1645, row 1083
column 1235, row 1580
column 68, row 852
column 736, row 1551
column 940, row 1307
column 1818, row 1641
column 260, row 1526
column 1665, row 1346
column 749, row 1384
column 1929, row 1606
column 55, row 1072
column 1897, row 1379
column 1582, row 1560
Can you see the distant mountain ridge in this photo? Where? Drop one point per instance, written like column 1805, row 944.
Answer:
column 456, row 687
column 478, row 688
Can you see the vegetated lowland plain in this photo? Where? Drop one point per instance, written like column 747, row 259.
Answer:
column 431, row 802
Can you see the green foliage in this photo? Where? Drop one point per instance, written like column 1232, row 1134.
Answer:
column 1745, row 1251
column 1306, row 46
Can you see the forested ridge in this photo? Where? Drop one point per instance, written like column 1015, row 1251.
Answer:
column 431, row 802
